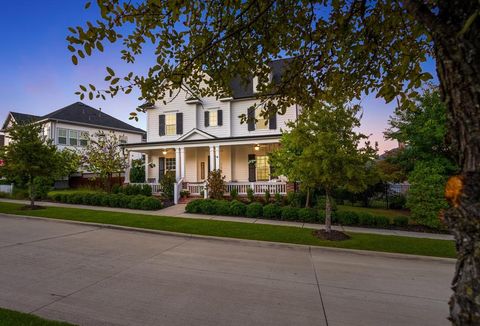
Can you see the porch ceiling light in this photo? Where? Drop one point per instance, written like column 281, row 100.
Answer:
column 164, row 152
column 257, row 147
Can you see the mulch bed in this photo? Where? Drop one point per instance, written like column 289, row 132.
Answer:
column 333, row 235
column 30, row 208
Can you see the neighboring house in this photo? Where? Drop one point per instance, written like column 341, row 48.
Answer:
column 70, row 126
column 192, row 136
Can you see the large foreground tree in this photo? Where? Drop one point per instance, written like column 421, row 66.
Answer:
column 339, row 49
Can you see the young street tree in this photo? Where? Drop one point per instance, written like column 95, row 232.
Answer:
column 339, row 50
column 322, row 150
column 29, row 155
column 103, row 155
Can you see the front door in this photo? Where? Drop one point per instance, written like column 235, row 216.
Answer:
column 161, row 168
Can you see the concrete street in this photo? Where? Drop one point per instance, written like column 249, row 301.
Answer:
column 90, row 275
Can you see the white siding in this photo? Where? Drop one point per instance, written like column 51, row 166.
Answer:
column 241, row 129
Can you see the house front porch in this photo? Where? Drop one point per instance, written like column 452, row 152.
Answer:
column 243, row 162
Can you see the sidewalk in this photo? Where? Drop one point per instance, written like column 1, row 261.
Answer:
column 179, row 211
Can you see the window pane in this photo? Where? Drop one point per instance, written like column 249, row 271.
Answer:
column 73, row 137
column 170, row 164
column 213, row 118
column 263, row 168
column 261, row 121
column 171, row 124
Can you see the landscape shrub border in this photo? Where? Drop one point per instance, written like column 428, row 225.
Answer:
column 290, row 213
column 110, row 200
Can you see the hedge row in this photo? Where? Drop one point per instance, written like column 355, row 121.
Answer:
column 288, row 213
column 111, row 200
column 129, row 189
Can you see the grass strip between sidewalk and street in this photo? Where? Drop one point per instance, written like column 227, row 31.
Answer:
column 250, row 231
column 16, row 318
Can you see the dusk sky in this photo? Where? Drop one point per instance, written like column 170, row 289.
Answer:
column 37, row 75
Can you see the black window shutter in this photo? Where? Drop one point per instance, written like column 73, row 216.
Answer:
column 251, row 119
column 161, row 125
column 207, row 118
column 219, row 117
column 161, row 168
column 179, row 123
column 251, row 168
column 272, row 122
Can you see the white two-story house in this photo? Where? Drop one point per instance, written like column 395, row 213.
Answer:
column 70, row 127
column 192, row 136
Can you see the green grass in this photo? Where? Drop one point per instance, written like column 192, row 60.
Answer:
column 274, row 233
column 15, row 318
column 375, row 211
column 73, row 191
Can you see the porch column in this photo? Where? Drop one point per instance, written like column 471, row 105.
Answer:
column 212, row 158
column 127, row 170
column 182, row 162
column 146, row 168
column 217, row 157
column 177, row 163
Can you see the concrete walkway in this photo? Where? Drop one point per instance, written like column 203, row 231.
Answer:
column 179, row 211
column 90, row 275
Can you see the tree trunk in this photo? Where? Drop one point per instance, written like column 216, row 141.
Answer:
column 32, row 193
column 307, row 200
column 328, row 212
column 458, row 66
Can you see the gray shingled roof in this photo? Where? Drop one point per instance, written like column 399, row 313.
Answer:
column 80, row 113
column 242, row 90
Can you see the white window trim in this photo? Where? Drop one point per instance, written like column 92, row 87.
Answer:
column 167, row 131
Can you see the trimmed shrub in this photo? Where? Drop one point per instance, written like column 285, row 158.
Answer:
column 272, row 211
column 233, row 194
column 194, row 206
column 397, row 202
column 278, row 198
column 366, row 219
column 136, row 202
column 307, row 215
column 290, row 213
column 250, row 195
column 400, row 221
column 347, row 217
column 321, row 216
column 114, row 200
column 146, row 190
column 151, row 203
column 254, row 210
column 222, row 207
column 382, row 221
column 237, row 208
column 208, row 206
column 267, row 196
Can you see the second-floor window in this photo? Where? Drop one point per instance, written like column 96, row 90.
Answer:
column 213, row 118
column 71, row 137
column 261, row 123
column 62, row 136
column 170, row 124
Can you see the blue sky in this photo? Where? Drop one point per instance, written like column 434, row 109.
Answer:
column 37, row 76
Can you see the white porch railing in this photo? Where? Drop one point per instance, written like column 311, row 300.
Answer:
column 196, row 188
column 156, row 187
column 259, row 187
column 6, row 188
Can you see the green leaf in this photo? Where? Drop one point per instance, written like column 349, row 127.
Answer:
column 99, row 46
column 115, row 80
column 87, row 5
column 92, row 87
column 110, row 71
column 90, row 95
column 74, row 60
column 83, row 88
column 71, row 48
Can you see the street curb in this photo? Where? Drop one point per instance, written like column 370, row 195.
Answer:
column 237, row 240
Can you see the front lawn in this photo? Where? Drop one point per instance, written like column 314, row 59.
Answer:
column 71, row 191
column 374, row 211
column 15, row 318
column 285, row 234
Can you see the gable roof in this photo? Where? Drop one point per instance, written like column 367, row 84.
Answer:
column 242, row 90
column 196, row 134
column 80, row 113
